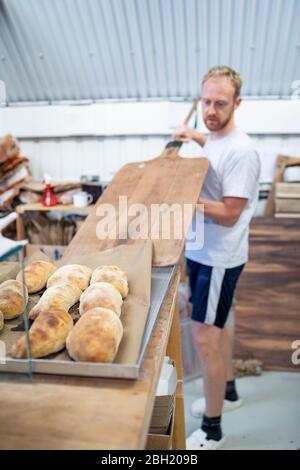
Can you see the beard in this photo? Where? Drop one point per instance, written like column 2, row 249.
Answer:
column 217, row 124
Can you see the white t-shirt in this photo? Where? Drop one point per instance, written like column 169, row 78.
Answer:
column 234, row 172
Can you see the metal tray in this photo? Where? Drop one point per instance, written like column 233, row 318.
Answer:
column 160, row 281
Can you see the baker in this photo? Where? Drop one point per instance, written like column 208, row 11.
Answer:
column 228, row 198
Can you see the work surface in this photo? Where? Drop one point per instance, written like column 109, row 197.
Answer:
column 79, row 413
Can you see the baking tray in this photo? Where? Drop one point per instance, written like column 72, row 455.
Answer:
column 160, row 281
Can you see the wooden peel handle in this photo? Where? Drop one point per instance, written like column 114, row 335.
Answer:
column 173, row 147
column 192, row 110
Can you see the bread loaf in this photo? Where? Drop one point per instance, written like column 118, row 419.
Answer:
column 47, row 335
column 36, row 275
column 60, row 297
column 96, row 336
column 1, row 321
column 114, row 275
column 11, row 299
column 71, row 274
column 101, row 294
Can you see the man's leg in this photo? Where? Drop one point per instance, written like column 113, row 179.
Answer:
column 212, row 293
column 232, row 400
column 207, row 339
column 227, row 353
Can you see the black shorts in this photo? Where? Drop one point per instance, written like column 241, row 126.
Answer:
column 212, row 291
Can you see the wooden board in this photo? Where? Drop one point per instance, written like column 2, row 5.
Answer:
column 287, row 190
column 268, row 295
column 166, row 179
column 287, row 215
column 287, row 205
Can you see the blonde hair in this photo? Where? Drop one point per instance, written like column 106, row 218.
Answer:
column 224, row 71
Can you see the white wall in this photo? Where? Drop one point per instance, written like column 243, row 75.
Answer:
column 68, row 141
column 69, row 158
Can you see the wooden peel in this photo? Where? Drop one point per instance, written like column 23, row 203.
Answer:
column 168, row 181
column 173, row 147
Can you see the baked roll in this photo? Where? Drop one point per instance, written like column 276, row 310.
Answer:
column 101, row 294
column 1, row 321
column 11, row 299
column 114, row 275
column 36, row 275
column 76, row 274
column 47, row 335
column 60, row 297
column 96, row 336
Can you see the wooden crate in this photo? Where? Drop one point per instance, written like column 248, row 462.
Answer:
column 162, row 441
column 287, row 190
column 287, row 199
column 287, row 206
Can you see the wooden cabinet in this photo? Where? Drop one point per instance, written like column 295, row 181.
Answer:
column 268, row 294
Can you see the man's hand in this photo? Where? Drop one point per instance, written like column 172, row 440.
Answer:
column 226, row 212
column 183, row 133
column 186, row 134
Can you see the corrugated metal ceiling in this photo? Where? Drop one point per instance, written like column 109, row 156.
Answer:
column 60, row 50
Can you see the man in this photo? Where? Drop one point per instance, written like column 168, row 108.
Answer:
column 229, row 197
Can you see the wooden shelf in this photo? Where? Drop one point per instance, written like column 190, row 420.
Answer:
column 59, row 207
column 287, row 215
column 22, row 208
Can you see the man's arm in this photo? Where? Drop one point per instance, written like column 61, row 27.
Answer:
column 226, row 212
column 185, row 134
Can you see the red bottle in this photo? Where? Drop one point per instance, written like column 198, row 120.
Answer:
column 49, row 198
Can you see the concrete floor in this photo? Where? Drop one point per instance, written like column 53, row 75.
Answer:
column 269, row 417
